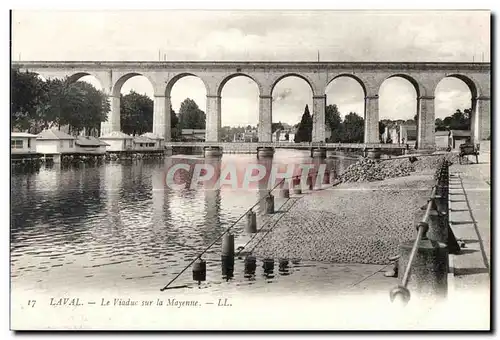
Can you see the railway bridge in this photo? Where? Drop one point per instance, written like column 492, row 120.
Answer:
column 424, row 76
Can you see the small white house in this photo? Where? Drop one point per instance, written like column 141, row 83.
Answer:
column 142, row 143
column 55, row 142
column 159, row 141
column 90, row 145
column 118, row 141
column 22, row 143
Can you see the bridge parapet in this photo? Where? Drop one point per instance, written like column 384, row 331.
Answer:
column 286, row 145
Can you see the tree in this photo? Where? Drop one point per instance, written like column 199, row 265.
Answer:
column 28, row 94
column 190, row 115
column 174, row 125
column 79, row 105
column 440, row 126
column 93, row 108
column 276, row 126
column 457, row 121
column 353, row 128
column 136, row 113
column 381, row 129
column 334, row 121
column 304, row 130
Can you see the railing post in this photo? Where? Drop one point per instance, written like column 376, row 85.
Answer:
column 429, row 270
column 424, row 260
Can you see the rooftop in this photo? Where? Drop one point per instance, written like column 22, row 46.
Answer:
column 22, row 135
column 53, row 134
column 151, row 135
column 142, row 139
column 89, row 141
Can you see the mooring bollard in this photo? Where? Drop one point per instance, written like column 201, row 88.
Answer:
column 199, row 270
column 269, row 204
column 268, row 266
column 284, row 191
column 228, row 245
column 429, row 272
column 251, row 226
column 250, row 265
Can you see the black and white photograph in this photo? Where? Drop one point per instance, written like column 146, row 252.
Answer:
column 246, row 170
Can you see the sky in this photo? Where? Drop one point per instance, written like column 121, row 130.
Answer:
column 445, row 36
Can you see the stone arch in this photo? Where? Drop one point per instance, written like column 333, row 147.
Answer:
column 416, row 85
column 174, row 79
column 220, row 86
column 471, row 84
column 77, row 76
column 352, row 76
column 117, row 86
column 246, row 90
column 298, row 75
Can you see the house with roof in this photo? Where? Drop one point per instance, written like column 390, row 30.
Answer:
column 117, row 141
column 451, row 138
column 54, row 141
column 90, row 145
column 142, row 143
column 159, row 141
column 22, row 143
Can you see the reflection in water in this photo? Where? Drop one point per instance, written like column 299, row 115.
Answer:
column 227, row 267
column 268, row 266
column 212, row 195
column 283, row 267
column 250, row 267
column 120, row 224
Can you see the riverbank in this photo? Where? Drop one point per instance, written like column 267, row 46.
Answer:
column 360, row 222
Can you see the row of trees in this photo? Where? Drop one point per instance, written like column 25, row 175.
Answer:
column 136, row 115
column 37, row 104
column 348, row 130
column 460, row 120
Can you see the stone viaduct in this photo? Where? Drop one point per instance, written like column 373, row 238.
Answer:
column 424, row 76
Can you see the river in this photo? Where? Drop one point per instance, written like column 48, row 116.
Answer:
column 118, row 224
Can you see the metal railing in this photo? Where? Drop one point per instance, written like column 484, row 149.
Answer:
column 309, row 174
column 401, row 293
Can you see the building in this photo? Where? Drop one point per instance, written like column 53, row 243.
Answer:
column 159, row 141
column 51, row 141
column 22, row 143
column 90, row 145
column 193, row 135
column 142, row 143
column 408, row 132
column 249, row 135
column 451, row 138
column 400, row 133
column 118, row 141
column 281, row 135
